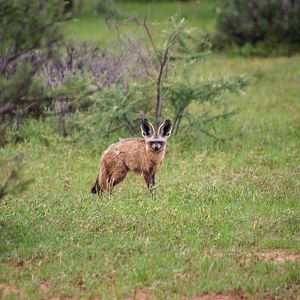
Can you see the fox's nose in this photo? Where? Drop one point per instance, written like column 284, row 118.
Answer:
column 156, row 146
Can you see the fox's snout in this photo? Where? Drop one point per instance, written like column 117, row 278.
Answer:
column 156, row 145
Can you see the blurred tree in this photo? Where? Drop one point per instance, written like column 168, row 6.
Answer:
column 25, row 27
column 271, row 22
column 11, row 177
column 29, row 36
column 68, row 5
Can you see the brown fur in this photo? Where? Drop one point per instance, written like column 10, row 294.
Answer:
column 133, row 154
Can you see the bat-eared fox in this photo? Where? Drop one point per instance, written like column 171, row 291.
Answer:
column 143, row 156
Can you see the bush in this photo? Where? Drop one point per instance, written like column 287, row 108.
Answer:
column 114, row 110
column 254, row 22
column 183, row 92
column 25, row 27
column 34, row 74
column 160, row 92
column 11, row 177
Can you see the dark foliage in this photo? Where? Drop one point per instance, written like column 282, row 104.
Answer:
column 11, row 178
column 271, row 22
column 26, row 27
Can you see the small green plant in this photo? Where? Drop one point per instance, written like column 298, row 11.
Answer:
column 11, row 178
column 181, row 93
column 113, row 110
column 174, row 94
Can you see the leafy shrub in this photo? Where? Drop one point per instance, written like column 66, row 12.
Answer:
column 74, row 81
column 11, row 177
column 25, row 27
column 270, row 22
column 114, row 110
column 99, row 86
column 161, row 92
column 182, row 93
column 34, row 74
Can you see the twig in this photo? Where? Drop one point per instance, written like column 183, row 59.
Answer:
column 162, row 61
column 224, row 115
column 210, row 134
column 158, row 88
column 147, row 29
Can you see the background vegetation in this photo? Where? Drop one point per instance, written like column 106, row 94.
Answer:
column 263, row 24
column 225, row 217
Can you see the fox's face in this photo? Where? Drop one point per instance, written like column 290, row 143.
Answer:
column 156, row 139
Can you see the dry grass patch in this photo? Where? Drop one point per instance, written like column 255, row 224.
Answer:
column 10, row 289
column 279, row 256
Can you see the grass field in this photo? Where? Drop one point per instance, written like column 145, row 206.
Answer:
column 90, row 27
column 225, row 217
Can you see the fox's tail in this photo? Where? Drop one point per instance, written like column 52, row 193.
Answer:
column 96, row 187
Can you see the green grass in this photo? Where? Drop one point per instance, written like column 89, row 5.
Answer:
column 217, row 208
column 92, row 28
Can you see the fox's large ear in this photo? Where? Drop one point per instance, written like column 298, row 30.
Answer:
column 147, row 128
column 165, row 129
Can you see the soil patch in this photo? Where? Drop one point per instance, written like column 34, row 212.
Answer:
column 46, row 285
column 219, row 296
column 140, row 295
column 7, row 289
column 279, row 256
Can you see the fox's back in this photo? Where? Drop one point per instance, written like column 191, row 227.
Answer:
column 132, row 154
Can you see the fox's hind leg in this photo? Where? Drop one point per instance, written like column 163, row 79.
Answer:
column 100, row 186
column 115, row 178
column 112, row 172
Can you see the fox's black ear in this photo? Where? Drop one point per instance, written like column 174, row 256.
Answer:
column 165, row 128
column 147, row 128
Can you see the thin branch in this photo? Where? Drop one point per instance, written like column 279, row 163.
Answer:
column 158, row 87
column 6, row 108
column 215, row 117
column 13, row 57
column 210, row 134
column 129, row 123
column 113, row 130
column 148, row 31
column 178, row 123
column 20, row 91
